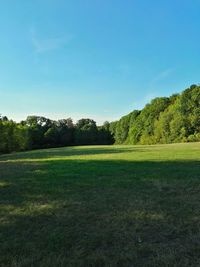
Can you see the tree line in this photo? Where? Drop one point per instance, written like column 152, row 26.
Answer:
column 40, row 132
column 163, row 120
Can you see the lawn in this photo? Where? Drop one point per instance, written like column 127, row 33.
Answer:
column 101, row 206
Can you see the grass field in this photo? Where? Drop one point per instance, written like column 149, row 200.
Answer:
column 101, row 206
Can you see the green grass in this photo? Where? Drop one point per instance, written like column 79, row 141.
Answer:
column 101, row 206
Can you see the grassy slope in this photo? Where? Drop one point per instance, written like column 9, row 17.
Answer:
column 101, row 206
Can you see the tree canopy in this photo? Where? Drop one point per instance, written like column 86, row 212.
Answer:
column 163, row 120
column 40, row 132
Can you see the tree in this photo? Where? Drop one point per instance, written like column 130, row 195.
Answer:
column 86, row 132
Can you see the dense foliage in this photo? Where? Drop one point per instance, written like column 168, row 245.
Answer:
column 39, row 132
column 164, row 120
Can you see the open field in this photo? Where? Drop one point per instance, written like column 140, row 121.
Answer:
column 101, row 206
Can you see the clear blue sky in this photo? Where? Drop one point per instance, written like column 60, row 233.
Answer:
column 95, row 58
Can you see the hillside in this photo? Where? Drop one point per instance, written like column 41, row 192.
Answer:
column 165, row 120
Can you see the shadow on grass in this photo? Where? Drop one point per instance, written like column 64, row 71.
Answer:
column 100, row 213
column 69, row 151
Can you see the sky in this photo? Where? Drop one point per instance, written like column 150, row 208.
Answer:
column 95, row 58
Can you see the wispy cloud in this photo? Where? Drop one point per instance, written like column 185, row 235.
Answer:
column 163, row 74
column 42, row 45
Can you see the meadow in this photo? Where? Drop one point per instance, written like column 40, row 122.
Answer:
column 126, row 206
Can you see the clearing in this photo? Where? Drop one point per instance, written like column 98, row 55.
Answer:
column 101, row 206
